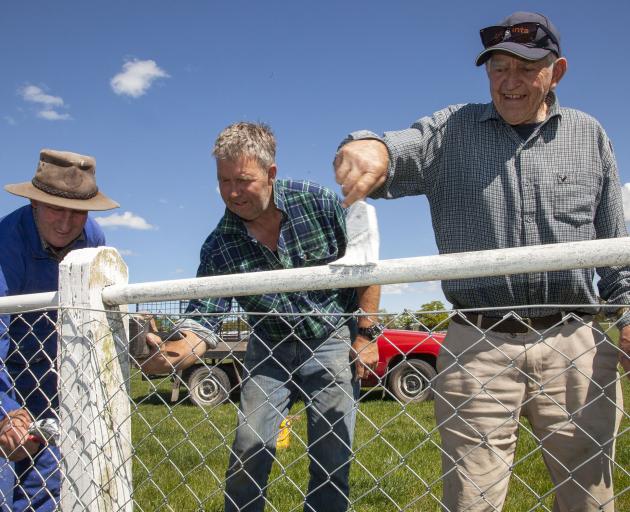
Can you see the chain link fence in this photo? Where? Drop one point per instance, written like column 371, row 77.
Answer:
column 182, row 425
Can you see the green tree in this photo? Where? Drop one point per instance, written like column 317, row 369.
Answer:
column 432, row 316
column 406, row 320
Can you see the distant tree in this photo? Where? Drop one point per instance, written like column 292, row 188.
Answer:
column 429, row 320
column 405, row 320
column 420, row 320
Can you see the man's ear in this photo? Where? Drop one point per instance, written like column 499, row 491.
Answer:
column 559, row 69
column 272, row 170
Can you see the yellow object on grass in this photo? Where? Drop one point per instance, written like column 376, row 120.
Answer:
column 284, row 436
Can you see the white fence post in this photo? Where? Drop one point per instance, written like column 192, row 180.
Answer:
column 93, row 385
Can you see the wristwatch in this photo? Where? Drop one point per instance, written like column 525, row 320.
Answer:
column 372, row 332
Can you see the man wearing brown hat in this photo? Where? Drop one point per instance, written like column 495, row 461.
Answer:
column 518, row 171
column 33, row 240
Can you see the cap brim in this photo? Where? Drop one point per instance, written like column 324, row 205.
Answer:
column 99, row 202
column 518, row 50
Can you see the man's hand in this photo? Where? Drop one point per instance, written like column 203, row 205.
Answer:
column 365, row 356
column 360, row 168
column 174, row 354
column 15, row 441
column 624, row 345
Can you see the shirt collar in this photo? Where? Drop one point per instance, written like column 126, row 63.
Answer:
column 490, row 112
column 34, row 240
column 279, row 198
column 60, row 253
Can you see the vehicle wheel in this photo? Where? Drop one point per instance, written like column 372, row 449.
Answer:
column 208, row 386
column 409, row 381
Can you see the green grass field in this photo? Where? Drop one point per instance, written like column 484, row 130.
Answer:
column 181, row 453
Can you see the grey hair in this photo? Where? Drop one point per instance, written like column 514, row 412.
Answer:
column 246, row 140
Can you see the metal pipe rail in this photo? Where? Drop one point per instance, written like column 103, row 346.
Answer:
column 539, row 258
column 536, row 258
column 30, row 302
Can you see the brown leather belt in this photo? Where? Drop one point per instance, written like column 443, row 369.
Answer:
column 514, row 325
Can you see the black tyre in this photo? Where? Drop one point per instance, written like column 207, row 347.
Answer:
column 208, row 386
column 410, row 381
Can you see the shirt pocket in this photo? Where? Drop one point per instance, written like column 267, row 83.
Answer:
column 317, row 252
column 574, row 199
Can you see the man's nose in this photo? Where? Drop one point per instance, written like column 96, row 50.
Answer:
column 235, row 190
column 65, row 221
column 513, row 78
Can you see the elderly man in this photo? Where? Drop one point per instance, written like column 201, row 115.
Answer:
column 518, row 171
column 34, row 239
column 292, row 354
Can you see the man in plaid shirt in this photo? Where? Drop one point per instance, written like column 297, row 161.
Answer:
column 275, row 224
column 515, row 172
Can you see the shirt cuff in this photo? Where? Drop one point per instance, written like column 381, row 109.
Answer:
column 187, row 324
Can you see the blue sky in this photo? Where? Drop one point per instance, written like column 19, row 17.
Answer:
column 146, row 86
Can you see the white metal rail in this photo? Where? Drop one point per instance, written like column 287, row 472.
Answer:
column 537, row 258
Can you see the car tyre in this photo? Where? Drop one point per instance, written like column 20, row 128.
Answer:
column 410, row 381
column 208, row 386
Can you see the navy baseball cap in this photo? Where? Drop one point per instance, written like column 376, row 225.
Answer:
column 528, row 35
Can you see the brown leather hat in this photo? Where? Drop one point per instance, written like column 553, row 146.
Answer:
column 64, row 179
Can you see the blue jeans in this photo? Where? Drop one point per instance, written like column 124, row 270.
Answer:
column 320, row 374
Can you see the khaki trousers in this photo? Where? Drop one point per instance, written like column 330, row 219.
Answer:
column 564, row 381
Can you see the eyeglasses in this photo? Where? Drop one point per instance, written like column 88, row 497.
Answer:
column 521, row 33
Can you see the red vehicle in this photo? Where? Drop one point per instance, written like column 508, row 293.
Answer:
column 407, row 363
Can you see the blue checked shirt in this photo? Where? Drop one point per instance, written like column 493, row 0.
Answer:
column 312, row 232
column 489, row 189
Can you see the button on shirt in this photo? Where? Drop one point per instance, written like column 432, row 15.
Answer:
column 490, row 189
column 312, row 232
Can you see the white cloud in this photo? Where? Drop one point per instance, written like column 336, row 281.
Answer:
column 126, row 252
column 397, row 297
column 35, row 94
column 625, row 195
column 53, row 115
column 125, row 220
column 396, row 289
column 431, row 286
column 136, row 77
column 412, row 288
column 10, row 120
column 46, row 102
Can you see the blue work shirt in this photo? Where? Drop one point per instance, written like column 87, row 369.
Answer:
column 28, row 342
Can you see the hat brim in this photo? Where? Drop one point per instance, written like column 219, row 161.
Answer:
column 99, row 202
column 519, row 50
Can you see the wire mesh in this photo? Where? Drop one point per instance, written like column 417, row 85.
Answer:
column 478, row 415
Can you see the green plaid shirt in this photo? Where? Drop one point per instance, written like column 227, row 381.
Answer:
column 312, row 232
